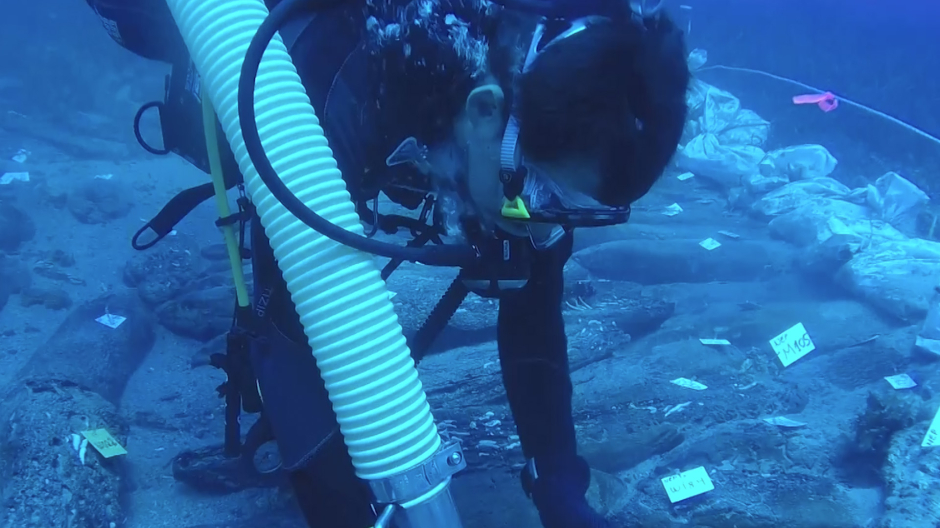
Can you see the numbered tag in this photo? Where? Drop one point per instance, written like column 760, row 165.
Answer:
column 687, row 484
column 111, row 321
column 710, row 244
column 901, row 381
column 792, row 344
column 685, row 176
column 932, row 438
column 11, row 177
column 104, row 443
column 689, row 384
column 782, row 421
column 673, row 210
column 714, row 342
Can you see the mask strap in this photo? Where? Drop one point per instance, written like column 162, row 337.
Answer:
column 508, row 161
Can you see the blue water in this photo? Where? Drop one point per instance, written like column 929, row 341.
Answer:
column 68, row 95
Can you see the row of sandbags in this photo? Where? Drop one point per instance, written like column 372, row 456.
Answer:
column 888, row 265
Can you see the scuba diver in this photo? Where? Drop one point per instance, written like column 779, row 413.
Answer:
column 511, row 124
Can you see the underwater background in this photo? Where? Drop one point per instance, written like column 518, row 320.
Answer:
column 757, row 348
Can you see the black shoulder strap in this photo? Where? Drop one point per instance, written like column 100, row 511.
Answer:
column 171, row 214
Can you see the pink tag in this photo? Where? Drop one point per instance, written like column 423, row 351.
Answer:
column 826, row 102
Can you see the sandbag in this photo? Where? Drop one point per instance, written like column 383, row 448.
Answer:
column 818, row 219
column 718, row 110
column 795, row 194
column 48, row 476
column 726, row 165
column 715, row 111
column 897, row 201
column 697, row 58
column 898, row 277
column 746, row 128
column 757, row 184
column 799, row 162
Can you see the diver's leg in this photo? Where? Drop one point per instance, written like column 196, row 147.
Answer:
column 329, row 493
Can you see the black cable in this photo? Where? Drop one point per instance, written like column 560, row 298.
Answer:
column 420, row 343
column 443, row 255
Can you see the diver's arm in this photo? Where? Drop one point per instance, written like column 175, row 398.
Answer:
column 533, row 353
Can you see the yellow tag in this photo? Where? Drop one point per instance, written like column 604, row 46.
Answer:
column 515, row 209
column 104, row 443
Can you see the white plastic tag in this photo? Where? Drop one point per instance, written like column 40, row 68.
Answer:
column 685, row 176
column 687, row 484
column 729, row 234
column 111, row 321
column 782, row 421
column 792, row 344
column 715, row 342
column 710, row 244
column 673, row 210
column 689, row 384
column 901, row 381
column 21, row 156
column 11, row 177
column 932, row 438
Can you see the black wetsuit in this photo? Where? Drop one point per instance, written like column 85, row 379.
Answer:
column 531, row 337
column 532, row 345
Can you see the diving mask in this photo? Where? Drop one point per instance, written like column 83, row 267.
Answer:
column 531, row 197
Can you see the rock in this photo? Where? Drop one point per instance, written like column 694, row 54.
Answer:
column 632, row 448
column 774, row 482
column 832, row 324
column 51, row 298
column 214, row 252
column 862, row 364
column 908, row 472
column 72, row 384
column 99, row 201
column 163, row 271
column 16, row 227
column 277, row 518
column 897, row 277
column 639, row 317
column 91, row 355
column 470, row 375
column 675, row 260
column 824, row 259
column 418, row 289
column 607, row 494
column 886, row 414
column 14, row 278
column 203, row 356
column 199, row 314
